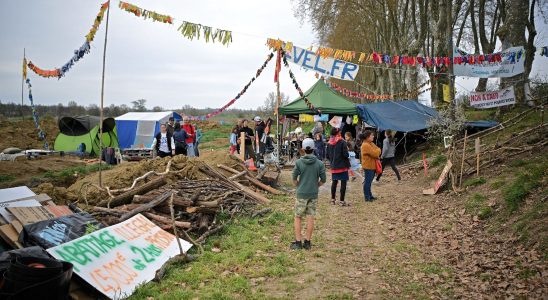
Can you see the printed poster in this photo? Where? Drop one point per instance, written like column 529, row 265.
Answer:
column 512, row 64
column 116, row 259
column 492, row 99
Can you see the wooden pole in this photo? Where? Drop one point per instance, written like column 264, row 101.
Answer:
column 278, row 136
column 478, row 150
column 242, row 146
column 463, row 155
column 22, row 82
column 102, row 101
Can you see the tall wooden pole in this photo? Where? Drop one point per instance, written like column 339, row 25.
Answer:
column 278, row 135
column 463, row 156
column 23, row 82
column 102, row 100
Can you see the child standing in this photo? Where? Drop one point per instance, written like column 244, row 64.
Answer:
column 319, row 145
column 308, row 176
column 354, row 163
column 234, row 140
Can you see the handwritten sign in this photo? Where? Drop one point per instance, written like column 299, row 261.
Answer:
column 511, row 64
column 492, row 99
column 116, row 259
column 441, row 180
column 326, row 66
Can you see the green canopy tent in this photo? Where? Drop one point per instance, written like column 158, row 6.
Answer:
column 74, row 131
column 324, row 99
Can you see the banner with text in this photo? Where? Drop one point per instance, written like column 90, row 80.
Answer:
column 326, row 66
column 507, row 63
column 493, row 99
column 116, row 259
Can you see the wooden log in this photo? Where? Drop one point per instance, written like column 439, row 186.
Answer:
column 238, row 175
column 127, row 197
column 147, row 206
column 253, row 180
column 203, row 223
column 167, row 221
column 214, row 203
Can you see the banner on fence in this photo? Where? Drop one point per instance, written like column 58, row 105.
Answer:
column 324, row 65
column 116, row 259
column 493, row 99
column 507, row 63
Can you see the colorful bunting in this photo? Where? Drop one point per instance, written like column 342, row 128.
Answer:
column 78, row 53
column 403, row 95
column 146, row 14
column 292, row 76
column 220, row 110
column 41, row 133
column 193, row 30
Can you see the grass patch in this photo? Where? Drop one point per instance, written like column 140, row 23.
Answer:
column 250, row 249
column 223, row 131
column 438, row 160
column 6, row 178
column 528, row 224
column 485, row 212
column 474, row 203
column 71, row 172
column 495, row 185
column 474, row 181
column 524, row 183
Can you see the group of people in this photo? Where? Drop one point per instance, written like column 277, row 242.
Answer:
column 309, row 172
column 177, row 138
column 255, row 139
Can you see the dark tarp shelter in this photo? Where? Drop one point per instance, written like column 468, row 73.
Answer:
column 85, row 129
column 324, row 99
column 403, row 116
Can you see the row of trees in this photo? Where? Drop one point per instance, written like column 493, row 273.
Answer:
column 423, row 27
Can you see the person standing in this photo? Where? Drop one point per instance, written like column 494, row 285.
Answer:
column 163, row 143
column 388, row 154
column 171, row 125
column 369, row 154
column 337, row 153
column 249, row 153
column 260, row 127
column 179, row 136
column 319, row 146
column 234, row 140
column 308, row 175
column 198, row 139
column 191, row 135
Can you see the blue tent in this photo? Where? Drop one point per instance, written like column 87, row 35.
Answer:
column 137, row 129
column 404, row 116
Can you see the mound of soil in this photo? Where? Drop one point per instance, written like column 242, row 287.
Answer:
column 23, row 133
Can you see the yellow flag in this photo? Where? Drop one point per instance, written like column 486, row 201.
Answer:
column 304, row 118
column 446, row 93
column 24, row 69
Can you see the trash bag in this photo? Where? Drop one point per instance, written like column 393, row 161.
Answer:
column 8, row 256
column 51, row 233
column 30, row 277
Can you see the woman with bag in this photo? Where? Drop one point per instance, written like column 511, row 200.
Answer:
column 337, row 153
column 388, row 154
column 370, row 158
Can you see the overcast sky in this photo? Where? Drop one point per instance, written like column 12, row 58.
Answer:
column 150, row 60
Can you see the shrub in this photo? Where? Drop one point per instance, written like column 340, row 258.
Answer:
column 474, row 181
column 438, row 160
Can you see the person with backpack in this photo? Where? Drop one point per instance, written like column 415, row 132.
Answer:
column 308, row 175
column 388, row 154
column 163, row 143
column 369, row 153
column 337, row 153
column 179, row 136
column 191, row 135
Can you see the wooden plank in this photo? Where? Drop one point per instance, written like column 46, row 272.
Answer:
column 463, row 156
column 242, row 146
column 10, row 235
column 441, row 180
column 30, row 215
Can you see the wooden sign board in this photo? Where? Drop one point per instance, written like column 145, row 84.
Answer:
column 441, row 180
column 117, row 259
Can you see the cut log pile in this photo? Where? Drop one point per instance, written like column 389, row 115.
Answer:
column 195, row 203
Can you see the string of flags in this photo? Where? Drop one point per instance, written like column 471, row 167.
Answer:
column 189, row 30
column 294, row 80
column 41, row 133
column 78, row 53
column 220, row 110
column 403, row 95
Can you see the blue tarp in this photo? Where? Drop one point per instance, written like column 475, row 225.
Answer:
column 481, row 123
column 404, row 116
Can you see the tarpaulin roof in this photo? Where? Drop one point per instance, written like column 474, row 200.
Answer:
column 481, row 123
column 79, row 125
column 404, row 116
column 324, row 99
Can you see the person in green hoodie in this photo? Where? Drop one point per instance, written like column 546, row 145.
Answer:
column 308, row 176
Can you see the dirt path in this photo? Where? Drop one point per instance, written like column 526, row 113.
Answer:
column 406, row 245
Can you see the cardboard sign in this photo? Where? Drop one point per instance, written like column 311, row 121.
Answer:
column 511, row 64
column 492, row 99
column 336, row 122
column 29, row 215
column 441, row 180
column 116, row 259
column 324, row 65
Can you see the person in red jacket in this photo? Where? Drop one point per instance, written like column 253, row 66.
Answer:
column 191, row 135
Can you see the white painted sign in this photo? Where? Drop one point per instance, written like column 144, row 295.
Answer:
column 511, row 63
column 492, row 99
column 326, row 66
column 116, row 259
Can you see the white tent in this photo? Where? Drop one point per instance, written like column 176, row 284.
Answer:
column 137, row 129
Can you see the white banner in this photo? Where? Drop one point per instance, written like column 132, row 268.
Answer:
column 116, row 259
column 492, row 99
column 511, row 63
column 326, row 66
